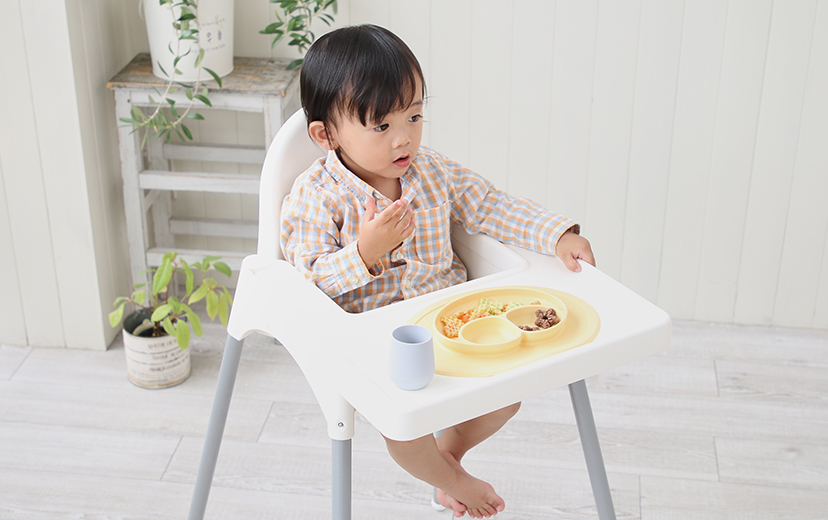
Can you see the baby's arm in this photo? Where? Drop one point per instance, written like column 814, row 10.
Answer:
column 381, row 233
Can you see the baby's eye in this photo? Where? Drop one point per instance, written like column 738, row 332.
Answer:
column 381, row 128
column 415, row 118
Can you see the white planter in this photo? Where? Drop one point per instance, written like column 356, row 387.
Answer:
column 155, row 362
column 215, row 36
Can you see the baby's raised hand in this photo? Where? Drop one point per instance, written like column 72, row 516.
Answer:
column 380, row 233
column 572, row 246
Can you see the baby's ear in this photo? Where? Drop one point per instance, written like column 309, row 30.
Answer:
column 319, row 133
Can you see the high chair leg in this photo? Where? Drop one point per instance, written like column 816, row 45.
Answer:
column 592, row 450
column 341, row 482
column 215, row 428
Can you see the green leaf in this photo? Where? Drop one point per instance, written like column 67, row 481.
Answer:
column 272, row 28
column 140, row 297
column 195, row 115
column 195, row 321
column 163, row 275
column 215, row 76
column 276, row 39
column 296, row 23
column 199, row 294
column 203, row 99
column 223, row 268
column 116, row 315
column 295, row 63
column 182, row 334
column 188, row 272
column 161, row 312
column 187, row 131
column 208, row 259
column 168, row 326
column 199, row 58
column 212, row 304
column 224, row 309
column 137, row 114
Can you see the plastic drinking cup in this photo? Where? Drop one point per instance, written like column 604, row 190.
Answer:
column 411, row 360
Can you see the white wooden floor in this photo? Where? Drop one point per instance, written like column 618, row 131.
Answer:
column 731, row 422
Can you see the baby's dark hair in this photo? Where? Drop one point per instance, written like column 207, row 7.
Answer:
column 364, row 71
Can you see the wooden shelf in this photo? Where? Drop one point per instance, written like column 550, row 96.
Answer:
column 199, row 181
column 255, row 85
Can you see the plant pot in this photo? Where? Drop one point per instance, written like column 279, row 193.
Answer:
column 155, row 362
column 215, row 37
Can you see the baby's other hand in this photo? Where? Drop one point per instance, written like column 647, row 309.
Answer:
column 380, row 233
column 571, row 247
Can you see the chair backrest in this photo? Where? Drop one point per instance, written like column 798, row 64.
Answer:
column 291, row 153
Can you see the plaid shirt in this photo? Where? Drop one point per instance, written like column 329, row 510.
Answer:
column 322, row 214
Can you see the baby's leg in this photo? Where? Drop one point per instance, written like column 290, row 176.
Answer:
column 462, row 437
column 459, row 439
column 423, row 460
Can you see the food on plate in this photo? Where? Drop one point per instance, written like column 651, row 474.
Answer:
column 486, row 307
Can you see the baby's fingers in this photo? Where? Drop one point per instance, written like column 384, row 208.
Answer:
column 395, row 212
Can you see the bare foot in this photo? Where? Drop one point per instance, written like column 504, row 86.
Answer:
column 470, row 495
column 450, row 502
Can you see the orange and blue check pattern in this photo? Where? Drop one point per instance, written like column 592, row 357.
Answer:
column 322, row 214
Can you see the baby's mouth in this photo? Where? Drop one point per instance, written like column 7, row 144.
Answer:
column 403, row 161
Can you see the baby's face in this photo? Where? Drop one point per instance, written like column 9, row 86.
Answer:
column 382, row 150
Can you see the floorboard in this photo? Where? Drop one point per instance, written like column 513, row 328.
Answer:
column 731, row 422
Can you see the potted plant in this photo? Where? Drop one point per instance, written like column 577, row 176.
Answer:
column 295, row 21
column 184, row 39
column 157, row 332
column 178, row 38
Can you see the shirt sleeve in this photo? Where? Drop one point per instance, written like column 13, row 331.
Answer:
column 310, row 240
column 480, row 208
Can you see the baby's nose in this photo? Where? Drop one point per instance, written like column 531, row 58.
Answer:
column 402, row 139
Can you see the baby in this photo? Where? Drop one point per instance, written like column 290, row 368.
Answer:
column 369, row 223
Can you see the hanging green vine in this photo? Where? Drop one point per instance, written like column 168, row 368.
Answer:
column 166, row 118
column 294, row 19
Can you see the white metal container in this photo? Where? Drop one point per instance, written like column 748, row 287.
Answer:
column 156, row 362
column 215, row 36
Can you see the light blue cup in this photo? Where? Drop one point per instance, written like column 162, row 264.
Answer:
column 411, row 360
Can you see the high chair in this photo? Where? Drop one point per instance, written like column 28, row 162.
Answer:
column 348, row 372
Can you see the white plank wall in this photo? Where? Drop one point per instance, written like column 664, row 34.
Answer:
column 687, row 136
column 61, row 230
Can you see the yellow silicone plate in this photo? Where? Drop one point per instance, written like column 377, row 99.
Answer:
column 581, row 325
column 498, row 334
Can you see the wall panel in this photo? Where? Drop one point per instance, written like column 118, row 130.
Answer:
column 734, row 139
column 449, row 106
column 490, row 90
column 650, row 142
column 530, row 102
column 12, row 321
column 26, row 202
column 573, row 56
column 806, row 228
column 777, row 137
column 613, row 92
column 695, row 116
